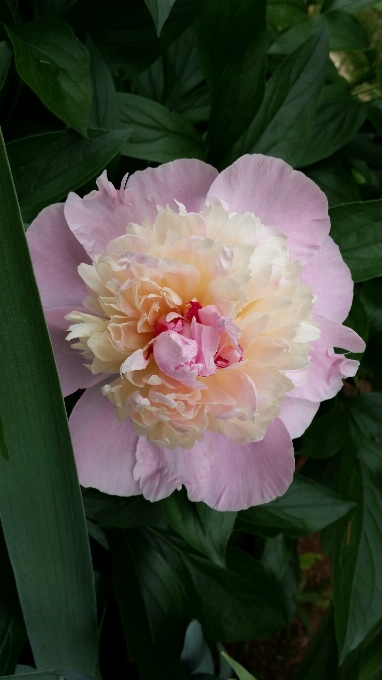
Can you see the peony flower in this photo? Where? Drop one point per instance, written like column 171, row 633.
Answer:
column 200, row 312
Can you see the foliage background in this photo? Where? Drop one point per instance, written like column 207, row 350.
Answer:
column 89, row 84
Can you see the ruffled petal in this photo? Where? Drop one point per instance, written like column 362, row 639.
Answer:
column 224, row 475
column 56, row 254
column 186, row 181
column 280, row 197
column 331, row 281
column 70, row 363
column 104, row 447
column 297, row 414
column 323, row 378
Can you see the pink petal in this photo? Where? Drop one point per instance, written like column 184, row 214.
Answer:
column 186, row 181
column 280, row 197
column 224, row 475
column 297, row 414
column 331, row 281
column 174, row 356
column 70, row 362
column 104, row 447
column 323, row 378
column 56, row 255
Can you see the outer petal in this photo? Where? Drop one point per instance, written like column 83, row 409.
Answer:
column 70, row 362
column 224, row 475
column 280, row 197
column 186, row 181
column 56, row 255
column 297, row 414
column 323, row 378
column 104, row 447
column 331, row 281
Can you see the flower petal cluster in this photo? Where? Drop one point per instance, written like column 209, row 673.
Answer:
column 201, row 312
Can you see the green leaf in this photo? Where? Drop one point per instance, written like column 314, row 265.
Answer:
column 279, row 558
column 357, row 560
column 241, row 673
column 232, row 42
column 49, row 548
column 196, row 655
column 12, row 630
column 5, row 61
column 205, row 529
column 345, row 33
column 159, row 10
column 326, row 435
column 55, row 65
column 351, row 5
column 338, row 184
column 51, row 675
column 286, row 13
column 46, row 167
column 125, row 513
column 284, row 122
column 339, row 116
column 159, row 135
column 358, row 320
column 321, row 660
column 305, row 508
column 371, row 658
column 357, row 230
column 149, row 597
column 104, row 110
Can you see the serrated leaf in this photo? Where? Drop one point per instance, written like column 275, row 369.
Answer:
column 283, row 124
column 49, row 548
column 305, row 508
column 357, row 230
column 46, row 167
column 55, row 65
column 159, row 135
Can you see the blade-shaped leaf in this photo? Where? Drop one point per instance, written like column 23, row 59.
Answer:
column 46, row 167
column 326, row 435
column 338, row 184
column 104, row 110
column 357, row 230
column 12, row 630
column 5, row 60
column 205, row 529
column 241, row 673
column 284, row 122
column 159, row 135
column 51, row 675
column 321, row 659
column 40, row 501
column 233, row 43
column 305, row 508
column 159, row 10
column 55, row 65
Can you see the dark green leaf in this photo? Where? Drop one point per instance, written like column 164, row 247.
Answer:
column 159, row 135
column 159, row 10
column 287, row 13
column 55, row 64
column 338, row 185
column 205, row 529
column 232, row 42
column 52, row 8
column 279, row 558
column 104, row 110
column 339, row 116
column 5, row 60
column 40, row 501
column 345, row 33
column 351, row 5
column 371, row 658
column 358, row 320
column 357, row 230
column 149, row 597
column 125, row 513
column 196, row 655
column 321, row 660
column 52, row 675
column 305, row 508
column 12, row 630
column 46, row 167
column 326, row 435
column 284, row 123
column 241, row 673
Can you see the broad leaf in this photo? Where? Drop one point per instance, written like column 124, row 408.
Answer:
column 104, row 110
column 339, row 116
column 321, row 659
column 159, row 135
column 5, row 60
column 159, row 10
column 125, row 513
column 338, row 184
column 12, row 630
column 357, row 230
column 46, row 167
column 51, row 675
column 232, row 41
column 284, row 122
column 327, row 434
column 351, row 5
column 55, row 64
column 205, row 529
column 196, row 655
column 279, row 558
column 305, row 508
column 49, row 548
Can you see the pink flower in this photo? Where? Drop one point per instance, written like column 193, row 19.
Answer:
column 204, row 310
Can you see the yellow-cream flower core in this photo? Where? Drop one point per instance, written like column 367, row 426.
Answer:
column 154, row 293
